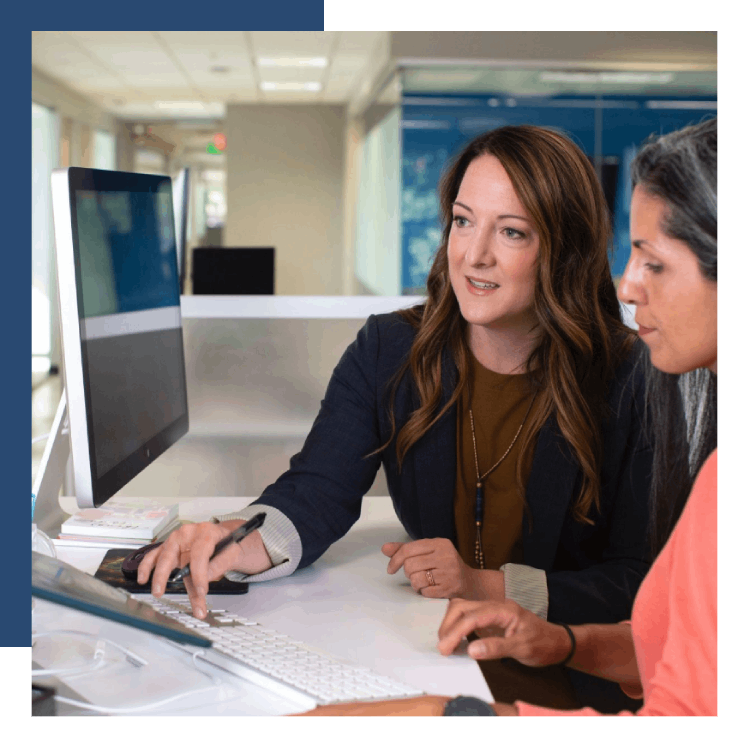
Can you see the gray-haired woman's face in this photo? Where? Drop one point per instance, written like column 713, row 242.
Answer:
column 675, row 303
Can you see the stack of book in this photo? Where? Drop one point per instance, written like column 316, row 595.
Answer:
column 119, row 523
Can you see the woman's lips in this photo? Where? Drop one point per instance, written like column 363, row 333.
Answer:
column 642, row 331
column 479, row 290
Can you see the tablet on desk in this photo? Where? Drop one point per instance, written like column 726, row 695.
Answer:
column 61, row 583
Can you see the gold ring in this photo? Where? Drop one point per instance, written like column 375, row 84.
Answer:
column 430, row 578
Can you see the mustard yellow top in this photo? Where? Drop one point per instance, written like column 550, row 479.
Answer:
column 499, row 403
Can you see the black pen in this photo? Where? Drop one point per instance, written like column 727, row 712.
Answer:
column 241, row 532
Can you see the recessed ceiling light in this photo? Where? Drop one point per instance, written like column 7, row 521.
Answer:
column 274, row 86
column 292, row 62
column 193, row 106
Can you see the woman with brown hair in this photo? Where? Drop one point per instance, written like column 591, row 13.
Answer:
column 506, row 411
column 666, row 653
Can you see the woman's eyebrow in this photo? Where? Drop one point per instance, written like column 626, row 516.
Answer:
column 643, row 244
column 504, row 215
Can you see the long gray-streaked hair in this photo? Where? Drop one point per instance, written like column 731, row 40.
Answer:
column 680, row 169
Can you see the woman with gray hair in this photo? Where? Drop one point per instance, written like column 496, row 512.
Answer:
column 667, row 653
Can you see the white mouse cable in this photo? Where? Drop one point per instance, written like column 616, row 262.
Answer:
column 131, row 657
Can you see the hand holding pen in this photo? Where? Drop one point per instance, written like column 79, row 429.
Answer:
column 239, row 534
column 208, row 553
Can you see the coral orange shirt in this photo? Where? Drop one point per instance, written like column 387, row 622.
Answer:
column 674, row 619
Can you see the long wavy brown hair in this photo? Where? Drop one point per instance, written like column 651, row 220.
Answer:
column 581, row 334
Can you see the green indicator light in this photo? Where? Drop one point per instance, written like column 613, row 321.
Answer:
column 211, row 148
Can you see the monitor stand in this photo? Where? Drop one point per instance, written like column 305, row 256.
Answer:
column 48, row 514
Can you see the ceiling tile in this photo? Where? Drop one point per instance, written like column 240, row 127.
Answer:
column 129, row 52
column 292, row 43
column 142, row 67
column 198, row 54
column 206, row 40
column 224, row 81
column 54, row 51
column 103, row 84
column 359, row 42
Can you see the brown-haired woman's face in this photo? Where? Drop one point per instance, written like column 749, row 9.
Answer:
column 492, row 250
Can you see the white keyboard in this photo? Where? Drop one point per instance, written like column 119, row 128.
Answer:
column 273, row 660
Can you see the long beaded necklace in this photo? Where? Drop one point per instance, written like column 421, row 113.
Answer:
column 479, row 500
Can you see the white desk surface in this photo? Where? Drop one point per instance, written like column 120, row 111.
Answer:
column 345, row 604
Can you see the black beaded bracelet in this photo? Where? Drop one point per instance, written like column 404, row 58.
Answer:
column 572, row 645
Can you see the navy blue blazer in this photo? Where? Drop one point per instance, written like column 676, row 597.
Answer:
column 593, row 571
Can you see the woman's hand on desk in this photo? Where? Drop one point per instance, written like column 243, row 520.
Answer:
column 194, row 544
column 435, row 569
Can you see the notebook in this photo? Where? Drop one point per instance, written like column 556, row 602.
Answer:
column 138, row 521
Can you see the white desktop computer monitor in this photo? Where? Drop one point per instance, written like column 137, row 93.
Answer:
column 124, row 363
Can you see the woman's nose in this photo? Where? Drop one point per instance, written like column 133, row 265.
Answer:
column 479, row 252
column 629, row 290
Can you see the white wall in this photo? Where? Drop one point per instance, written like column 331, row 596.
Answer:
column 285, row 172
column 80, row 120
column 68, row 103
column 44, row 137
column 378, row 235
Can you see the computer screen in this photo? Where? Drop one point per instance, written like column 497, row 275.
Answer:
column 181, row 200
column 124, row 363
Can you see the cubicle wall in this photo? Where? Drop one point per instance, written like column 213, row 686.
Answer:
column 257, row 369
column 254, row 388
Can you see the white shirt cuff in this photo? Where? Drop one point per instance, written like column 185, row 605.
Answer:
column 527, row 586
column 280, row 537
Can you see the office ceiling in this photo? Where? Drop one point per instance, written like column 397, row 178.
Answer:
column 188, row 77
column 128, row 73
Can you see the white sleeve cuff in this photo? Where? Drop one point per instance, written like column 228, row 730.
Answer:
column 527, row 586
column 280, row 537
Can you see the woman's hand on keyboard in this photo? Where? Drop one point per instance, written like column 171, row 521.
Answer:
column 194, row 544
column 505, row 630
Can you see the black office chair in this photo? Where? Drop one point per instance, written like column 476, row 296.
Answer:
column 233, row 270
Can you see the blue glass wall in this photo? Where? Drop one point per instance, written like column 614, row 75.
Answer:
column 435, row 127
